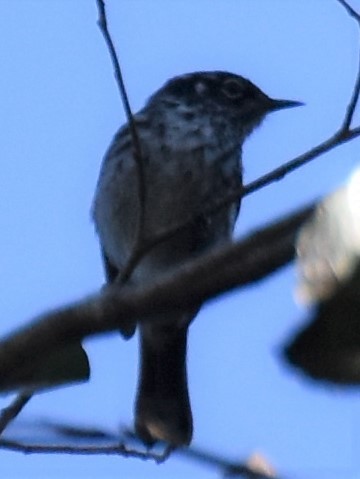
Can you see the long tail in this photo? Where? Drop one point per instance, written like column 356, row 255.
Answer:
column 163, row 409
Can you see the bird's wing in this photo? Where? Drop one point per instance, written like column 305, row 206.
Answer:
column 111, row 273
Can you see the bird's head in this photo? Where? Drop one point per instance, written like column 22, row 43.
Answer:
column 220, row 95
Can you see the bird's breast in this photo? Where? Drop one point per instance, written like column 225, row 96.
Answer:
column 181, row 181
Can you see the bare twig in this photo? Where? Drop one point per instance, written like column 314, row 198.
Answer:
column 355, row 95
column 343, row 135
column 137, row 153
column 113, row 450
column 340, row 137
column 350, row 10
column 228, row 468
column 277, row 174
column 9, row 413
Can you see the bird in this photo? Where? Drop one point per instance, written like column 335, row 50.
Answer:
column 191, row 133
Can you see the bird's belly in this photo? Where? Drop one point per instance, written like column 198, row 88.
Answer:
column 175, row 194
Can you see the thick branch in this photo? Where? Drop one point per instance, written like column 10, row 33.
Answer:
column 238, row 264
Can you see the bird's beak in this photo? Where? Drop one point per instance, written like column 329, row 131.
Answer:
column 281, row 104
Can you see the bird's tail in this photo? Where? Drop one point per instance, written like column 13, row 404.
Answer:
column 163, row 409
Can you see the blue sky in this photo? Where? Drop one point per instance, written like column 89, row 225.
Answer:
column 59, row 109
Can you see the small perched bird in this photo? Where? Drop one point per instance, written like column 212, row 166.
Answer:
column 191, row 133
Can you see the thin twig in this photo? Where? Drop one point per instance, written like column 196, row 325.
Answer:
column 343, row 135
column 277, row 174
column 227, row 467
column 113, row 450
column 137, row 153
column 9, row 413
column 350, row 10
column 355, row 95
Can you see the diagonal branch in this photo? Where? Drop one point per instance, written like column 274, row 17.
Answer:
column 9, row 413
column 338, row 138
column 258, row 255
column 342, row 135
column 353, row 13
column 275, row 175
column 355, row 95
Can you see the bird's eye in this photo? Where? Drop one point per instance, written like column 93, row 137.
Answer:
column 233, row 89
